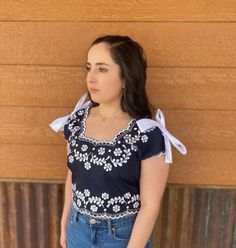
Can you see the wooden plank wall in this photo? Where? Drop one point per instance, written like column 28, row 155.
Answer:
column 191, row 78
column 191, row 53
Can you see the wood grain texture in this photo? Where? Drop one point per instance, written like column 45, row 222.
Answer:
column 168, row 88
column 30, row 214
column 166, row 43
column 151, row 10
column 189, row 216
column 49, row 162
column 203, row 130
column 190, row 47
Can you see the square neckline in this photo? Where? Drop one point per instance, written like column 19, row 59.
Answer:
column 118, row 135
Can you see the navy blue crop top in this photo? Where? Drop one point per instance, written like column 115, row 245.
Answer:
column 106, row 174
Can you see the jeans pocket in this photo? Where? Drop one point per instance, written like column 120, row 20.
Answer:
column 122, row 233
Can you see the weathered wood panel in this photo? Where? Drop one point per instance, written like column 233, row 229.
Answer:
column 189, row 217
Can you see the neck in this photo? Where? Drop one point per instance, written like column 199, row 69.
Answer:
column 108, row 111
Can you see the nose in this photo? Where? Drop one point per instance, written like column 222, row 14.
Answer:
column 90, row 77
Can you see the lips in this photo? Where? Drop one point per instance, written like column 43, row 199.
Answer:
column 93, row 90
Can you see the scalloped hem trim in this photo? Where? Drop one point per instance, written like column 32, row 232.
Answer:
column 105, row 215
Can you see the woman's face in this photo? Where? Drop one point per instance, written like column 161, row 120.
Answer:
column 103, row 75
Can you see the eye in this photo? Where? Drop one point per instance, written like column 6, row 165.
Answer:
column 87, row 68
column 102, row 69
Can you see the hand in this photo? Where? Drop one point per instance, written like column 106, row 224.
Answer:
column 63, row 241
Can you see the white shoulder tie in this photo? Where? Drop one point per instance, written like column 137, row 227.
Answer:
column 58, row 124
column 146, row 123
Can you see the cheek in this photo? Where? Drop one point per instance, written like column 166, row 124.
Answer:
column 113, row 83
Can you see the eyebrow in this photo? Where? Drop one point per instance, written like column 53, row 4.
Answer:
column 99, row 63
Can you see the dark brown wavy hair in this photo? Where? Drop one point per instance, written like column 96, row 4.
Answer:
column 130, row 56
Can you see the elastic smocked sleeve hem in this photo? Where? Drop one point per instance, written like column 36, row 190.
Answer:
column 151, row 143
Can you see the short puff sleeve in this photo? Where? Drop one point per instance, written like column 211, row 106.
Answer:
column 151, row 143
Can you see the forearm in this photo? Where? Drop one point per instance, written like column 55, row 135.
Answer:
column 67, row 201
column 143, row 227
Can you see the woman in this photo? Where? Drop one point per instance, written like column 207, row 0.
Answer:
column 118, row 158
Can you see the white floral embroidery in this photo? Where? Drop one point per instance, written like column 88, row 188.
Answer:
column 80, row 112
column 136, row 205
column 71, row 159
column 94, row 208
column 86, row 192
column 116, row 157
column 134, row 148
column 108, row 156
column 87, row 165
column 101, row 150
column 132, row 139
column 73, row 128
column 84, row 148
column 127, row 195
column 105, row 196
column 144, row 138
column 116, row 208
column 84, row 200
column 73, row 142
column 117, row 152
column 107, row 167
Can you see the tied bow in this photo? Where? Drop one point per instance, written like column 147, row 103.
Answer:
column 58, row 124
column 169, row 138
column 159, row 121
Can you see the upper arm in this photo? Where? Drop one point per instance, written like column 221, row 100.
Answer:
column 153, row 180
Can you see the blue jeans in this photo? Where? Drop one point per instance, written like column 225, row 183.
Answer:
column 84, row 231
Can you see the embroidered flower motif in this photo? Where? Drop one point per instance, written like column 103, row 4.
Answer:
column 71, row 159
column 127, row 195
column 117, row 152
column 136, row 205
column 86, row 192
column 73, row 142
column 107, row 167
column 144, row 138
column 87, row 165
column 128, row 136
column 101, row 150
column 94, row 208
column 105, row 196
column 80, row 112
column 84, row 148
column 80, row 195
column 116, row 208
column 134, row 148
